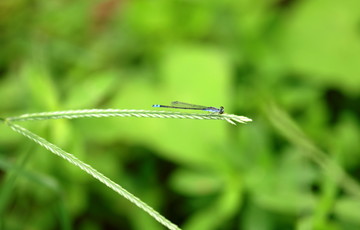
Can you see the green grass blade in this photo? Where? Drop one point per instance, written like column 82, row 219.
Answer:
column 7, row 187
column 71, row 114
column 295, row 135
column 97, row 175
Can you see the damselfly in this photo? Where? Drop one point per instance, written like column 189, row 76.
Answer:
column 182, row 105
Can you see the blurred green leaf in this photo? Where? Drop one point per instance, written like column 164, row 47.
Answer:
column 89, row 92
column 188, row 182
column 347, row 209
column 40, row 86
column 321, row 41
column 216, row 214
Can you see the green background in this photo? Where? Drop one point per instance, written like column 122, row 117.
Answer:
column 293, row 66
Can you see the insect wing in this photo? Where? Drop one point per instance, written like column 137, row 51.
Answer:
column 187, row 105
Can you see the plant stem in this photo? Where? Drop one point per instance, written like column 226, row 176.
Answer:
column 71, row 114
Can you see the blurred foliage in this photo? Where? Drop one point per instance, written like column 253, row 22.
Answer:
column 255, row 58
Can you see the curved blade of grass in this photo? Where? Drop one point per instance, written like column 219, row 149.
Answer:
column 71, row 114
column 293, row 132
column 12, row 173
column 97, row 175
